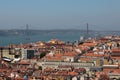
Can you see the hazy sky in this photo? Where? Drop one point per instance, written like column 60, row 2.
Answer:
column 60, row 14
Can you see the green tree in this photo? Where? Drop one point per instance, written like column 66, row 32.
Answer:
column 42, row 54
column 40, row 67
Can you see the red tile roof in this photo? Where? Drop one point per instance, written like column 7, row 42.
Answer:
column 24, row 63
column 73, row 73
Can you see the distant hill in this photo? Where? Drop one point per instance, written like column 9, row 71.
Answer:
column 36, row 32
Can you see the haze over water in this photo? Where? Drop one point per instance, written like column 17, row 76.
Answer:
column 101, row 15
column 65, row 36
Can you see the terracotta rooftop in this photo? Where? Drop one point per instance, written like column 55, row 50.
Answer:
column 54, row 58
column 89, row 44
column 93, row 55
column 85, row 59
column 115, row 50
column 69, row 54
column 24, row 63
column 58, row 55
column 73, row 73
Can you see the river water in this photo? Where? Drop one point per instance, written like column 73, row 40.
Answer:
column 65, row 36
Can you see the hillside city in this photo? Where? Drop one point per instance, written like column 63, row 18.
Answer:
column 87, row 59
